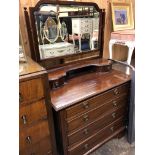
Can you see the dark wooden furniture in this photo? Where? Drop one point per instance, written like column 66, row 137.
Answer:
column 90, row 109
column 36, row 130
column 34, row 30
column 89, row 98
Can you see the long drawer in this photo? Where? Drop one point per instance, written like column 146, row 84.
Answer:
column 41, row 148
column 32, row 113
column 31, row 90
column 104, row 134
column 84, row 133
column 97, row 100
column 32, row 135
column 54, row 52
column 90, row 116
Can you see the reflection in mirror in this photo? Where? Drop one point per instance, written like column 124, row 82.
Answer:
column 66, row 29
column 64, row 33
column 49, row 30
column 22, row 56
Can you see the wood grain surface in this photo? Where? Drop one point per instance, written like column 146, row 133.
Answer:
column 85, row 86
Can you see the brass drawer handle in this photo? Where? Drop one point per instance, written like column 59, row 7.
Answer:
column 20, row 97
column 24, row 119
column 49, row 152
column 86, row 146
column 85, row 131
column 114, row 103
column 112, row 129
column 116, row 92
column 28, row 140
column 56, row 83
column 85, row 117
column 85, row 105
column 113, row 115
column 44, row 117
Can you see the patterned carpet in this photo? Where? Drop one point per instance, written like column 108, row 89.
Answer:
column 116, row 147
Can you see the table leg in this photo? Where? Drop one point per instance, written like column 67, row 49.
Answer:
column 90, row 41
column 80, row 42
column 110, row 48
column 130, row 52
column 73, row 39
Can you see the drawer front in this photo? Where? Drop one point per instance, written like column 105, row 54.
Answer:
column 97, row 101
column 32, row 113
column 41, row 148
column 58, row 52
column 90, row 116
column 87, row 21
column 86, row 29
column 95, row 23
column 31, row 90
column 92, row 128
column 108, row 132
column 32, row 135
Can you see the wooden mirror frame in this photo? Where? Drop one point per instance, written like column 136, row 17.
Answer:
column 50, row 63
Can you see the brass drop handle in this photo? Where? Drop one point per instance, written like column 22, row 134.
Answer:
column 116, row 91
column 113, row 115
column 85, row 131
column 20, row 97
column 112, row 129
column 85, row 117
column 28, row 140
column 24, row 119
column 85, row 105
column 114, row 103
column 49, row 152
column 60, row 51
column 86, row 146
column 56, row 83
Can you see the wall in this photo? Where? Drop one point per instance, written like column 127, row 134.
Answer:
column 119, row 51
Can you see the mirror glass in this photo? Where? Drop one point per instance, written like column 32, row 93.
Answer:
column 66, row 29
column 49, row 31
column 22, row 56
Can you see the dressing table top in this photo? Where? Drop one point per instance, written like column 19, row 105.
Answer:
column 85, row 86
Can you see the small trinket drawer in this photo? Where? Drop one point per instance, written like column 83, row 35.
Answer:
column 55, row 50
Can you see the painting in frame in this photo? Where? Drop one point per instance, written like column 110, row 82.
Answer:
column 122, row 16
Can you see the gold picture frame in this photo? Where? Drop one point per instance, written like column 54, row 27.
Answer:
column 122, row 16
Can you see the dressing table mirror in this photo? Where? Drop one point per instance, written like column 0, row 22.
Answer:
column 64, row 32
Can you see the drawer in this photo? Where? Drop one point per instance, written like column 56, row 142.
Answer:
column 32, row 113
column 41, row 148
column 58, row 52
column 86, row 22
column 90, row 116
column 32, row 135
column 102, row 136
column 31, row 90
column 96, row 101
column 86, row 30
column 94, row 127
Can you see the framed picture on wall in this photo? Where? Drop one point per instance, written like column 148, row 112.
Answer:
column 122, row 16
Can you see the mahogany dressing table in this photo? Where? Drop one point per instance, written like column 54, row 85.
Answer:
column 89, row 99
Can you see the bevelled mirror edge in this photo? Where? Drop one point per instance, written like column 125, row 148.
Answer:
column 65, row 59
